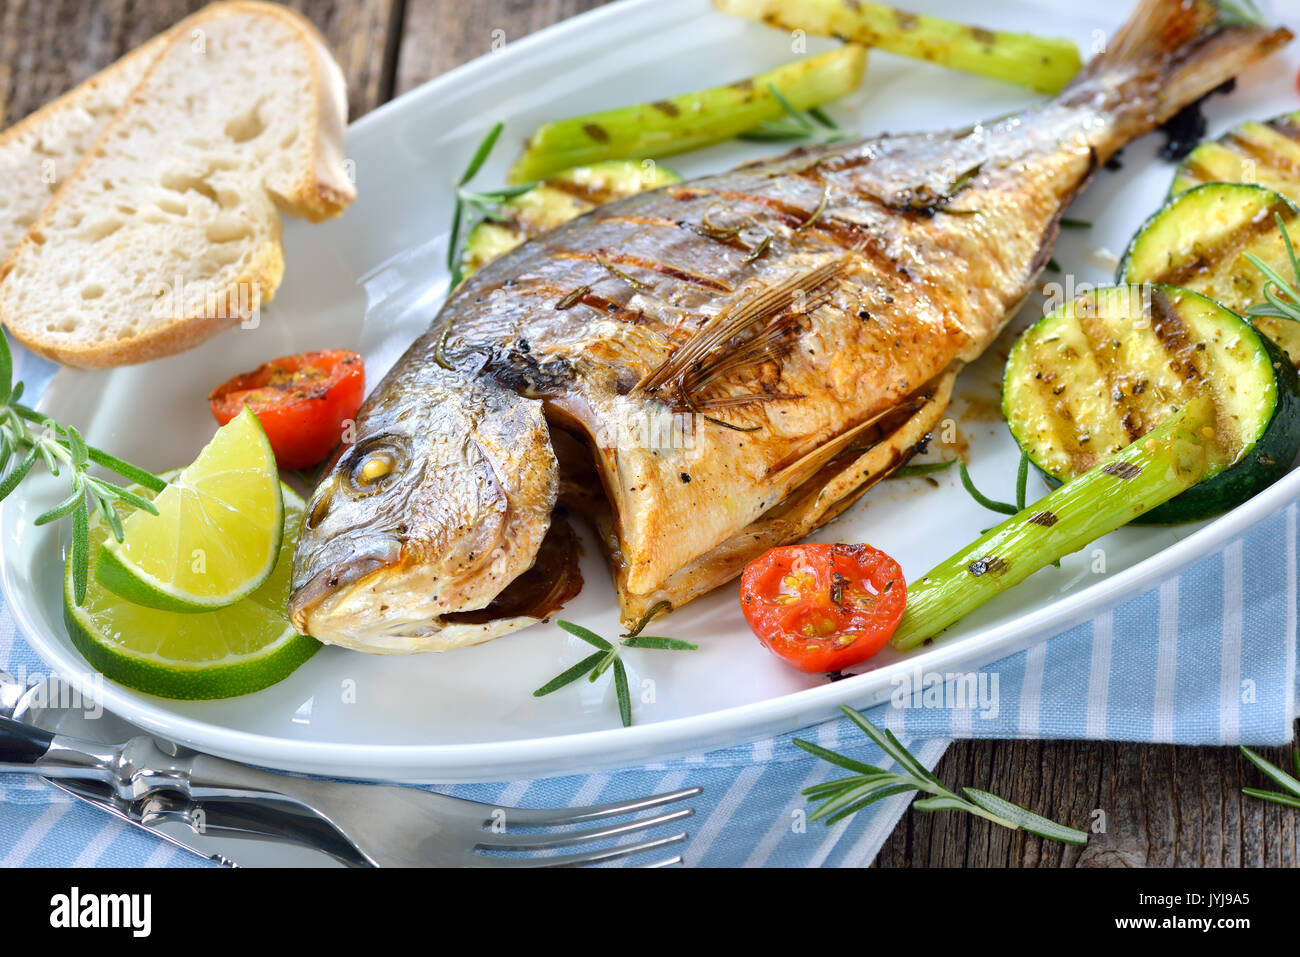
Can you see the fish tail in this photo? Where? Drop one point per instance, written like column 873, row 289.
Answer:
column 1168, row 54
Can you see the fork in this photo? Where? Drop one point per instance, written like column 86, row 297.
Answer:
column 390, row 826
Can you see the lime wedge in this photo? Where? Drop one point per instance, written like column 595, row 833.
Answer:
column 217, row 532
column 217, row 654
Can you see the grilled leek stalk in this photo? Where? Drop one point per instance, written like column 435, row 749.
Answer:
column 1045, row 64
column 689, row 121
column 1151, row 471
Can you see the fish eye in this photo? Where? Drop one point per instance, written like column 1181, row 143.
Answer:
column 372, row 467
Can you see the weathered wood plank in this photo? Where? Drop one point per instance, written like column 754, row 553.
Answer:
column 438, row 35
column 1162, row 806
column 49, row 46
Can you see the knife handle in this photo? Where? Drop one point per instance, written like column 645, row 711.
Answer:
column 21, row 743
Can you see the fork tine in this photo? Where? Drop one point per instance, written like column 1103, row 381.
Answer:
column 527, row 817
column 576, row 860
column 531, row 842
column 666, row 862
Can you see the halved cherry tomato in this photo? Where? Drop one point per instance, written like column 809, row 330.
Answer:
column 823, row 608
column 302, row 402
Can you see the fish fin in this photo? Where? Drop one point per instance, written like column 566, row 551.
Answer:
column 828, row 493
column 689, row 365
column 1169, row 54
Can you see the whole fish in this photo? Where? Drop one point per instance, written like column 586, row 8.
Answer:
column 713, row 368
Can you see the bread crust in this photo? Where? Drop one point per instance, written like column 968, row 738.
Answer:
column 322, row 190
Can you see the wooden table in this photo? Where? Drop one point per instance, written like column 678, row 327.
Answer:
column 1163, row 805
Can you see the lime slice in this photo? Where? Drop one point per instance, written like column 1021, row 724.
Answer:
column 217, row 654
column 217, row 532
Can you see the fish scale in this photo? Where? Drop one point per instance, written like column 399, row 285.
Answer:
column 806, row 315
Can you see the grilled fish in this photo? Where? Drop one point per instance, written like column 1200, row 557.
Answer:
column 713, row 368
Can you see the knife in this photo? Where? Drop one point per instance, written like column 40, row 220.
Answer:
column 232, row 833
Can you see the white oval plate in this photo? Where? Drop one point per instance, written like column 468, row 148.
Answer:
column 372, row 281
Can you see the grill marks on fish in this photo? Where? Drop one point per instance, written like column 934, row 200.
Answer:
column 699, row 361
column 621, row 261
column 663, row 305
column 794, row 218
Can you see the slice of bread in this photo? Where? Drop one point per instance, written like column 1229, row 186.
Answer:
column 39, row 152
column 168, row 231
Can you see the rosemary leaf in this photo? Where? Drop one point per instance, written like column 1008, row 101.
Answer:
column 820, row 115
column 1023, row 819
column 453, row 249
column 11, row 480
column 1276, row 797
column 661, row 644
column 816, row 750
column 839, row 784
column 586, row 634
column 108, row 492
column 64, row 508
column 132, row 473
column 80, row 552
column 481, row 154
column 77, row 448
column 909, row 471
column 624, row 699
column 570, row 676
column 1004, row 508
column 656, row 608
column 1273, row 771
column 942, row 802
column 611, row 656
column 6, row 369
column 871, row 798
column 112, row 519
column 1022, row 481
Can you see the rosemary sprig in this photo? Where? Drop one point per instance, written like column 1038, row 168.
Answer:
column 606, row 657
column 471, row 203
column 813, row 124
column 908, row 471
column 1292, row 797
column 993, row 505
column 27, row 436
column 1003, row 508
column 1240, row 13
column 1282, row 295
column 845, row 796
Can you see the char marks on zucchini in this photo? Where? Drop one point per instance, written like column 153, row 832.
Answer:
column 1104, row 370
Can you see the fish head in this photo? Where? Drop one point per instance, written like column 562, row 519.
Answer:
column 440, row 503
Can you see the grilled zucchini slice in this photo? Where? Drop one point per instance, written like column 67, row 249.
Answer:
column 1263, row 154
column 1102, row 371
column 1199, row 239
column 557, row 200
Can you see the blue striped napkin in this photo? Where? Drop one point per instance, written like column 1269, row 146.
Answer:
column 1207, row 657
